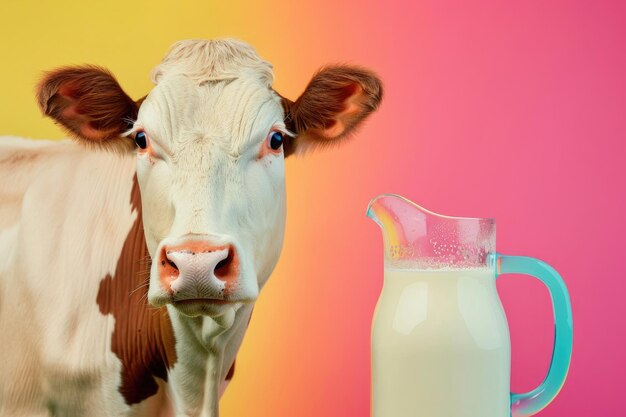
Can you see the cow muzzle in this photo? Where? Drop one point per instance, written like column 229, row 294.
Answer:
column 198, row 273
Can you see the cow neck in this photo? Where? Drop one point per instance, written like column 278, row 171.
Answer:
column 143, row 338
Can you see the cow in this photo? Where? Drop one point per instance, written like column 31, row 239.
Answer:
column 132, row 255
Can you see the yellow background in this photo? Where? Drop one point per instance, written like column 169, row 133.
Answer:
column 128, row 37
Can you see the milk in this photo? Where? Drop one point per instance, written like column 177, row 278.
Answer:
column 440, row 346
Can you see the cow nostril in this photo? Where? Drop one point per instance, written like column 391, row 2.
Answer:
column 221, row 264
column 226, row 267
column 171, row 263
column 168, row 266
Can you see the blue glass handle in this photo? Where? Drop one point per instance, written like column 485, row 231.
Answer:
column 530, row 403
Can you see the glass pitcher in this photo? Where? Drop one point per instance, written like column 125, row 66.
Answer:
column 440, row 339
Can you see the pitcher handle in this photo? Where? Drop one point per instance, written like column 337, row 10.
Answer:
column 530, row 403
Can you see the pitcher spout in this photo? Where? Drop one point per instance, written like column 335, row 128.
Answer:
column 417, row 238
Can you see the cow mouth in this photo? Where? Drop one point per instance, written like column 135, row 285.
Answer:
column 199, row 301
column 195, row 307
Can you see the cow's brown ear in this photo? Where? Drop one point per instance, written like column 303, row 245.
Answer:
column 90, row 104
column 336, row 100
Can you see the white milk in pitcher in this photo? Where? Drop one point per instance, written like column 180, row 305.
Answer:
column 440, row 346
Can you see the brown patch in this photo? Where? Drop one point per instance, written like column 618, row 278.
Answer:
column 143, row 338
column 89, row 103
column 336, row 100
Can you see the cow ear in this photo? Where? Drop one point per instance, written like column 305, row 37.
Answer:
column 336, row 101
column 89, row 104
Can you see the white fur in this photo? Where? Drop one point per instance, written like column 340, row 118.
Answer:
column 214, row 60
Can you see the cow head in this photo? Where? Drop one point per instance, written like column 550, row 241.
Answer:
column 210, row 141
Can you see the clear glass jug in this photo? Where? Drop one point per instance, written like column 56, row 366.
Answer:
column 440, row 340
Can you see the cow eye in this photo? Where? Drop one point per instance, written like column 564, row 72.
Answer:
column 141, row 140
column 275, row 140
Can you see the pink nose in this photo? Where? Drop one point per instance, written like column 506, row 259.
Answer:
column 198, row 270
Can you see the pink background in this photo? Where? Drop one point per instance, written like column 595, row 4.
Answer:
column 512, row 110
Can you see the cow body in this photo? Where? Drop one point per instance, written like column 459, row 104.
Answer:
column 65, row 363
column 128, row 277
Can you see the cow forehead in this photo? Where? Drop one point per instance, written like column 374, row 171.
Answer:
column 234, row 113
column 213, row 60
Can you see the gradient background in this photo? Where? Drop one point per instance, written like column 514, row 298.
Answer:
column 512, row 110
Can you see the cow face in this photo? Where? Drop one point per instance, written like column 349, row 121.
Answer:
column 210, row 141
column 210, row 165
